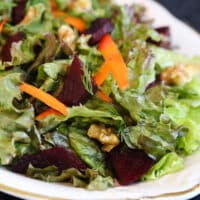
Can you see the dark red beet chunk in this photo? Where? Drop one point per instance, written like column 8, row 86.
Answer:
column 99, row 28
column 74, row 92
column 129, row 164
column 166, row 41
column 6, row 54
column 58, row 156
column 18, row 12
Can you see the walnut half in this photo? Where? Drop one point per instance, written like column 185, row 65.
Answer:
column 179, row 74
column 104, row 135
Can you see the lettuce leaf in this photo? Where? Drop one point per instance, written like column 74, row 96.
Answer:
column 87, row 150
column 88, row 179
column 169, row 163
column 95, row 112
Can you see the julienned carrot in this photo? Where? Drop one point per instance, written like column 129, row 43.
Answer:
column 73, row 21
column 44, row 97
column 46, row 113
column 76, row 22
column 53, row 5
column 108, row 48
column 102, row 74
column 2, row 23
column 114, row 63
column 104, row 97
column 119, row 72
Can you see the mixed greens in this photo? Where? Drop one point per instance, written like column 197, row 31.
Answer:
column 92, row 94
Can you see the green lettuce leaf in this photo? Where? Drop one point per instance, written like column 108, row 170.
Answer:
column 88, row 179
column 87, row 150
column 169, row 163
column 102, row 112
column 167, row 58
column 141, row 67
column 9, row 90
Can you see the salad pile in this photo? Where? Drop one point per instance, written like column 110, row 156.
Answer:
column 92, row 94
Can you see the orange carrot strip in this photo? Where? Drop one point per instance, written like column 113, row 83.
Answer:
column 44, row 97
column 2, row 23
column 59, row 13
column 102, row 74
column 46, row 113
column 104, row 97
column 76, row 22
column 120, row 73
column 114, row 61
column 53, row 5
column 73, row 21
column 108, row 48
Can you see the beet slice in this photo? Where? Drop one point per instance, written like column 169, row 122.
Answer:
column 6, row 50
column 18, row 12
column 129, row 164
column 99, row 28
column 58, row 156
column 74, row 92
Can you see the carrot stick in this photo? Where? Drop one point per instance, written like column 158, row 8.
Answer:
column 73, row 21
column 44, row 97
column 102, row 74
column 76, row 22
column 104, row 97
column 46, row 113
column 2, row 23
column 53, row 5
column 114, row 62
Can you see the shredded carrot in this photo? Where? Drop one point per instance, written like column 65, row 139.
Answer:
column 113, row 63
column 102, row 74
column 53, row 5
column 108, row 48
column 46, row 113
column 76, row 22
column 73, row 21
column 44, row 97
column 2, row 23
column 104, row 97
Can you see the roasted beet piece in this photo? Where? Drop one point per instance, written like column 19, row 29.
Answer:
column 74, row 92
column 99, row 28
column 58, row 156
column 129, row 164
column 18, row 12
column 6, row 53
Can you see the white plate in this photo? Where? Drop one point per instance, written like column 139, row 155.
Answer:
column 181, row 185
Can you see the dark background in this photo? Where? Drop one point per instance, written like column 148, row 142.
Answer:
column 188, row 11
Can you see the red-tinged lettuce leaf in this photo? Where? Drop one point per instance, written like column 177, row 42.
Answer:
column 18, row 12
column 99, row 28
column 6, row 50
column 165, row 42
column 74, row 91
column 58, row 156
column 129, row 164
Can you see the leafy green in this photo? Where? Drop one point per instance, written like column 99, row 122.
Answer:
column 5, row 9
column 101, row 112
column 87, row 150
column 183, row 109
column 9, row 90
column 169, row 163
column 88, row 179
column 62, row 4
column 167, row 58
column 156, row 138
column 141, row 67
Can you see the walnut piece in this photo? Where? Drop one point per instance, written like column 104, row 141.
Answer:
column 67, row 36
column 180, row 74
column 104, row 135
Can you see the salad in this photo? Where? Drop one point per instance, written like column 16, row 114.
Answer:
column 93, row 95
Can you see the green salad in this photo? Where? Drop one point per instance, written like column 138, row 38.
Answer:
column 92, row 94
